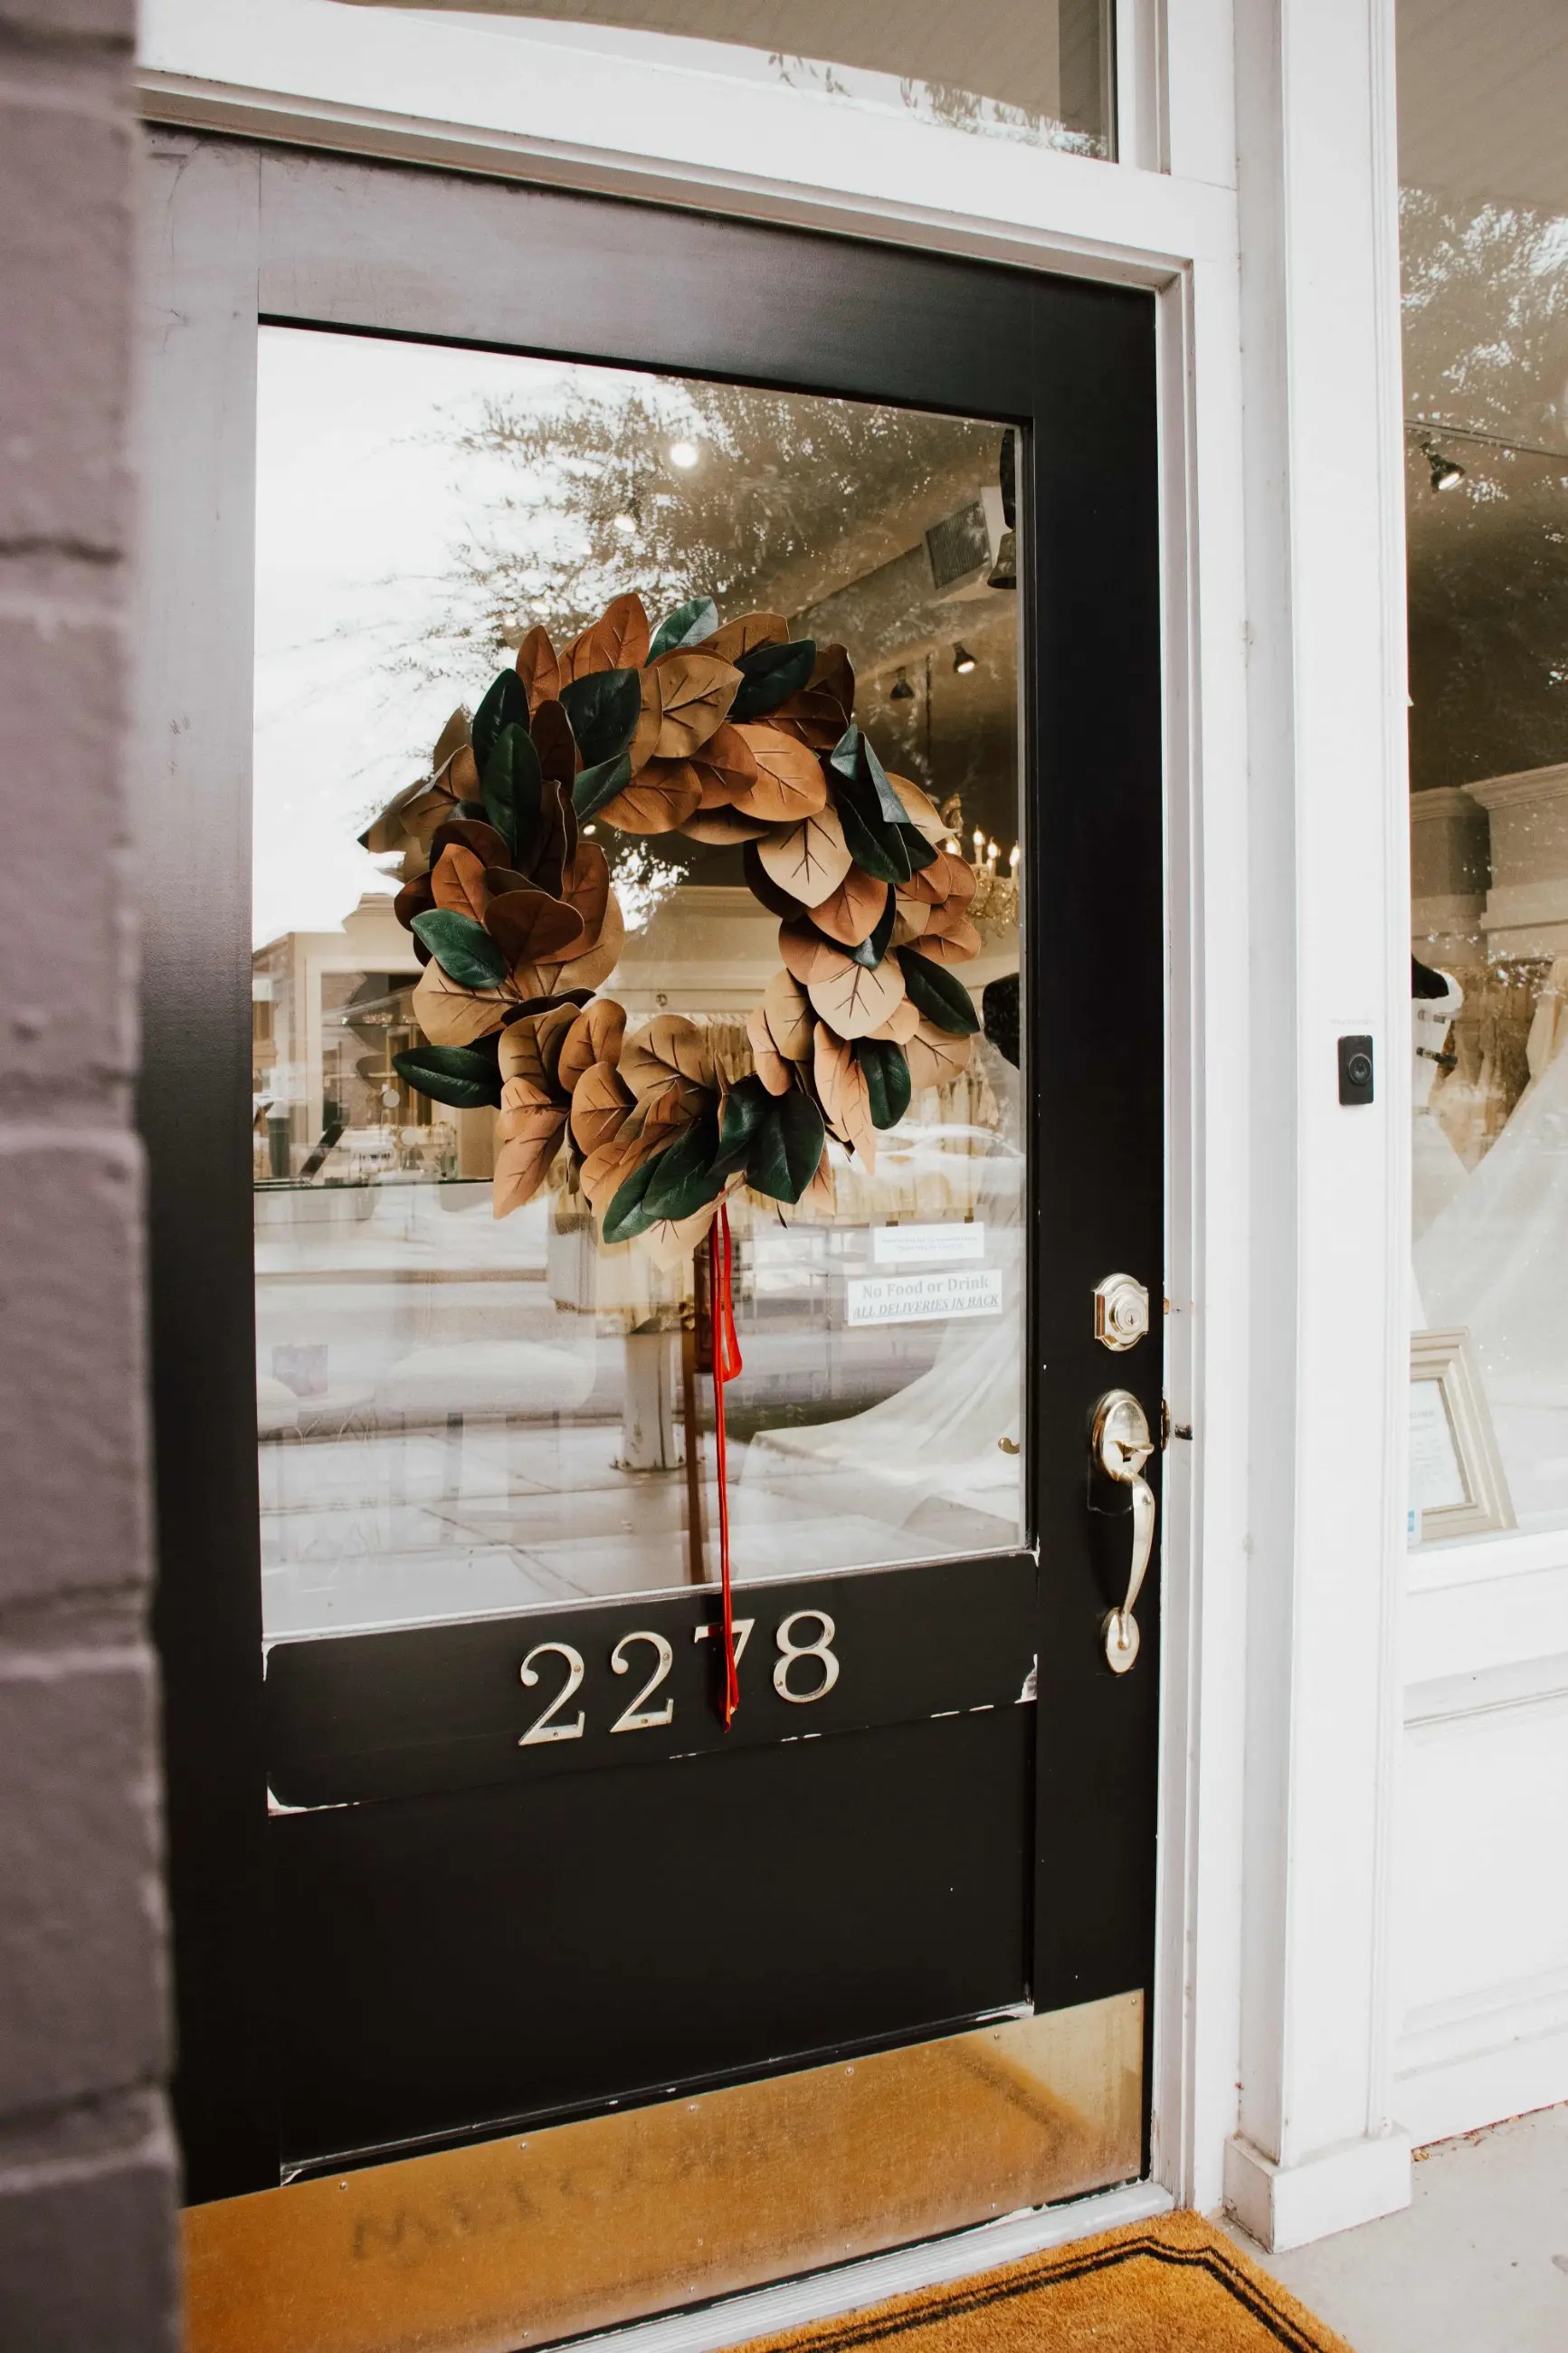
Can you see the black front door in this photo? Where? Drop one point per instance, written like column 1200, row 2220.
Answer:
column 461, row 1836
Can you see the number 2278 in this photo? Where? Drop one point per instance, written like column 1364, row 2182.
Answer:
column 637, row 1716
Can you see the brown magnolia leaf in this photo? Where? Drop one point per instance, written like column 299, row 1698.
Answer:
column 842, row 1092
column 680, row 1045
column 450, row 740
column 552, row 1029
column 539, row 668
column 766, row 1060
column 790, row 783
column 600, row 1101
column 765, row 890
column 471, row 833
column 606, row 1169
column 946, row 877
column 556, row 745
column 807, row 955
column 830, row 1059
column 936, row 1057
column 949, row 937
column 594, row 1037
column 520, row 1059
column 669, row 1243
column 554, row 838
column 820, row 712
column 670, row 1106
column 740, row 636
column 618, row 640
column 457, row 880
column 908, row 923
column 658, row 799
column 820, row 1192
column 720, row 767
column 901, row 1024
column 852, row 912
column 451, row 1016
column 596, row 963
column 920, row 810
column 529, row 1135
column 723, row 828
column 586, row 885
column 686, row 699
column 859, row 998
column 809, row 859
column 416, row 898
column 530, row 927
column 787, row 1011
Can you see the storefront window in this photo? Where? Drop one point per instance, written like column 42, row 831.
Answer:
column 1037, row 71
column 1485, row 250
column 462, row 1411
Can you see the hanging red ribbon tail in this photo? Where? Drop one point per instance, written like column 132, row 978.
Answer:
column 726, row 1364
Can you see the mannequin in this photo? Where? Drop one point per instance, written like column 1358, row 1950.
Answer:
column 1437, row 1171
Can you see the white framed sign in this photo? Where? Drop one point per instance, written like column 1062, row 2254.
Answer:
column 1457, row 1487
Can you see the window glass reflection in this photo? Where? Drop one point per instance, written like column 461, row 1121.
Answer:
column 1036, row 70
column 1485, row 252
column 460, row 1413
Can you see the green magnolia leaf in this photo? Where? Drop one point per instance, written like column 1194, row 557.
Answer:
column 918, row 850
column 464, row 949
column 603, row 709
column 933, row 991
column 887, row 1084
column 624, row 1219
column 686, row 626
column 594, row 787
column 788, row 1145
column 685, row 1179
column 471, row 812
column 871, row 950
column 468, row 1076
column 877, row 849
column 854, row 761
column 770, row 675
column 514, row 787
column 504, row 705
column 746, row 1106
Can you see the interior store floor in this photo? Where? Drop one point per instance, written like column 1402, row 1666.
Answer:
column 1477, row 2262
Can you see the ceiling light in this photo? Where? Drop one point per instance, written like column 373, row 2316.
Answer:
column 1447, row 474
column 900, row 690
column 963, row 660
column 1003, row 573
column 627, row 524
column 684, row 454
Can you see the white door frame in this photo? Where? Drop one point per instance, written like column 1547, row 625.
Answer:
column 1277, row 287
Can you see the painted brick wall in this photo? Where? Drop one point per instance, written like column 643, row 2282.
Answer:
column 86, row 2162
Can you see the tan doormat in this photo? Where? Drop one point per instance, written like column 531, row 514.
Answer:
column 1170, row 2287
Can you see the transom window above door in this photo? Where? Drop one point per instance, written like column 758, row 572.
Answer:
column 1035, row 70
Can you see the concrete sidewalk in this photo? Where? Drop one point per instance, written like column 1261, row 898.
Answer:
column 1477, row 2264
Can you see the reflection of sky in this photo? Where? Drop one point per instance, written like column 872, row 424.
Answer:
column 361, row 502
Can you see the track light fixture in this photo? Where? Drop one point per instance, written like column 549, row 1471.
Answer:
column 963, row 660
column 1447, row 473
column 900, row 690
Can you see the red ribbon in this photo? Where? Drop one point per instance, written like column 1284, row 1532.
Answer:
column 726, row 1364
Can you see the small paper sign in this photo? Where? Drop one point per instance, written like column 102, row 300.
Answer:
column 927, row 1245
column 921, row 1298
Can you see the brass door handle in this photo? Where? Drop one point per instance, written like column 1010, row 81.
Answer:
column 1120, row 1445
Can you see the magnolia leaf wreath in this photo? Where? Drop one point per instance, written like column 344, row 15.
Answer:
column 731, row 733
column 734, row 733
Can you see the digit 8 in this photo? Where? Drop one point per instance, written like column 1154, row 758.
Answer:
column 789, row 1650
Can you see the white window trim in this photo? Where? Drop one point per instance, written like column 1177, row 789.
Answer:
column 1284, row 1549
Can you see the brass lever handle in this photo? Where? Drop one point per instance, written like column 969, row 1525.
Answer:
column 1120, row 1445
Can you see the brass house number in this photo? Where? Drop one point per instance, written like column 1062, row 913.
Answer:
column 637, row 1716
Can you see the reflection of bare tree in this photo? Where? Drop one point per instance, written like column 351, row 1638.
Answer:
column 787, row 498
column 1486, row 343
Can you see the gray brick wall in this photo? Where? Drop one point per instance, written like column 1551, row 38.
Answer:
column 87, row 2175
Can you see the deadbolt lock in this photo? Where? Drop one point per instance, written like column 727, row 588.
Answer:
column 1121, row 1312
